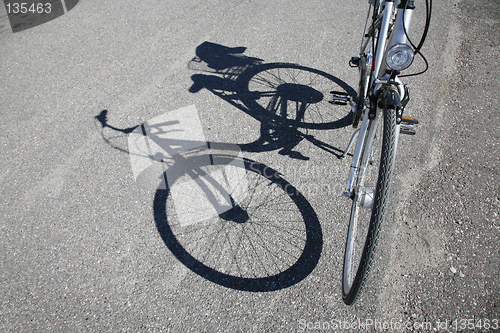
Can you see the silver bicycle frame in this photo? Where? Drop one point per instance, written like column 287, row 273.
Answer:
column 384, row 31
column 398, row 36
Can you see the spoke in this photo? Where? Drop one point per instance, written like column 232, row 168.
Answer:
column 319, row 114
column 240, row 246
column 265, row 202
column 258, row 257
column 228, row 238
column 186, row 235
column 313, row 79
column 269, row 82
column 259, row 79
column 264, row 199
column 212, row 243
column 291, row 72
column 254, row 191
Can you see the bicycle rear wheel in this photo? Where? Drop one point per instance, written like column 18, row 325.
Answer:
column 368, row 207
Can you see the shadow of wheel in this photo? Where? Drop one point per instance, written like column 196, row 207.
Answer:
column 268, row 239
column 294, row 95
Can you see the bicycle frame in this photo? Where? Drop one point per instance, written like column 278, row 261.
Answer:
column 379, row 79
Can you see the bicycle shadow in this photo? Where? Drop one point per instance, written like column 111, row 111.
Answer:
column 234, row 221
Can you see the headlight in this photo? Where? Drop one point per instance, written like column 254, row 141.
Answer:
column 399, row 57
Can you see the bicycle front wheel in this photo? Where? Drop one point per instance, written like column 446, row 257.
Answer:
column 368, row 207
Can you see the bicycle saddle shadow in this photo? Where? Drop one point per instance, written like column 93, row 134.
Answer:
column 219, row 57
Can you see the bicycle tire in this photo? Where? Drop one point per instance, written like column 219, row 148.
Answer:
column 354, row 272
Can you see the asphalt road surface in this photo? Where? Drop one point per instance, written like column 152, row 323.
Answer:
column 91, row 240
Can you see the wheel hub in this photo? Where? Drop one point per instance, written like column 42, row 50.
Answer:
column 365, row 197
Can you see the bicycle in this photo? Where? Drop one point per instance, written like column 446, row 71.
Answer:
column 386, row 50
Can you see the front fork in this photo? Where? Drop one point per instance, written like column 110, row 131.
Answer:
column 389, row 94
column 365, row 132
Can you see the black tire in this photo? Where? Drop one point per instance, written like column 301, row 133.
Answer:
column 379, row 172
